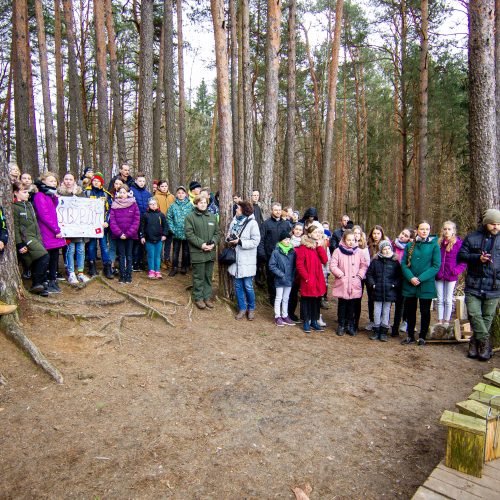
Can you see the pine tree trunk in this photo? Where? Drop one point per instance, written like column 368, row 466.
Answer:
column 146, row 92
column 62, row 153
column 50, row 137
column 497, row 78
column 247, row 98
column 115, row 86
column 26, row 141
column 168, row 84
column 102, row 90
column 330, row 116
column 213, row 137
column 74, row 82
column 233, row 44
column 158, row 172
column 270, row 117
column 182, row 96
column 291, row 104
column 225, row 132
column 423, row 104
column 482, row 116
column 405, row 167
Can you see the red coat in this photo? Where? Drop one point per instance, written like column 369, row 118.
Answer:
column 310, row 260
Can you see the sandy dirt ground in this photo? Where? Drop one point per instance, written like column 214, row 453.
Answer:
column 215, row 408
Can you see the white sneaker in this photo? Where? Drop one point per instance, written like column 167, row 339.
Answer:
column 369, row 326
column 320, row 321
column 72, row 280
column 403, row 327
column 82, row 278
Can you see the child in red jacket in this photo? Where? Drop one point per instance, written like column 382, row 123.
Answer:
column 311, row 257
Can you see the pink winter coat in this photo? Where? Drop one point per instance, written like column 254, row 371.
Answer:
column 349, row 269
column 46, row 214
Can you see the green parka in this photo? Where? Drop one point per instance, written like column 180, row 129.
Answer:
column 27, row 232
column 424, row 265
column 201, row 227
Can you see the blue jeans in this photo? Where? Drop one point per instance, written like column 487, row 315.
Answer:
column 104, row 249
column 245, row 296
column 154, row 255
column 112, row 249
column 79, row 249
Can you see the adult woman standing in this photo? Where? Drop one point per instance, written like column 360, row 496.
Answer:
column 244, row 235
column 45, row 203
column 420, row 264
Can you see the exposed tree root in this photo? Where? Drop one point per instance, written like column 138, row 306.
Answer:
column 87, row 302
column 3, row 380
column 152, row 311
column 73, row 316
column 14, row 332
column 189, row 307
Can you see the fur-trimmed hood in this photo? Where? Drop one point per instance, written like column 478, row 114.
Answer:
column 62, row 190
column 308, row 242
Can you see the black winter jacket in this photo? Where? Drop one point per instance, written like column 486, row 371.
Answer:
column 270, row 235
column 482, row 279
column 384, row 278
column 153, row 226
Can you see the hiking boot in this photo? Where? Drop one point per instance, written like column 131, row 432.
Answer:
column 375, row 333
column 53, row 287
column 251, row 315
column 341, row 330
column 315, row 326
column 72, row 279
column 108, row 272
column 351, row 331
column 92, row 268
column 7, row 308
column 172, row 272
column 483, row 350
column 287, row 321
column 384, row 330
column 82, row 278
column 278, row 321
column 472, row 348
column 209, row 303
column 241, row 314
column 307, row 327
column 408, row 341
column 200, row 304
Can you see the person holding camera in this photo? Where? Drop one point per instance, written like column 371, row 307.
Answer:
column 202, row 233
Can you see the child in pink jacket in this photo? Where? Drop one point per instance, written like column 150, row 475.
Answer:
column 348, row 264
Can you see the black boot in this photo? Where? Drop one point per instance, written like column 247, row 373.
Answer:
column 172, row 272
column 107, row 271
column 53, row 287
column 92, row 268
column 351, row 329
column 472, row 348
column 383, row 334
column 341, row 329
column 375, row 333
column 483, row 350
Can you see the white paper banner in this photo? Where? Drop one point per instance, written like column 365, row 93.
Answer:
column 81, row 217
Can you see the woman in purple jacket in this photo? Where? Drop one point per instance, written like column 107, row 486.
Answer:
column 124, row 219
column 450, row 270
column 45, row 203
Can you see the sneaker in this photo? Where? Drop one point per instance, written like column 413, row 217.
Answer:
column 315, row 326
column 172, row 272
column 241, row 314
column 128, row 279
column 72, row 279
column 82, row 278
column 159, row 276
column 251, row 315
column 307, row 327
column 152, row 275
column 200, row 304
column 210, row 303
column 53, row 287
column 60, row 277
column 37, row 289
column 294, row 318
column 288, row 321
column 122, row 280
column 136, row 269
column 421, row 342
column 403, row 327
column 279, row 321
column 369, row 327
column 320, row 321
column 408, row 340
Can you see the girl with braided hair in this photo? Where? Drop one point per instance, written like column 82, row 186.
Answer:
column 420, row 264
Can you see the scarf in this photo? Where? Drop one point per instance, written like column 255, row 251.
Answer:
column 381, row 256
column 238, row 222
column 400, row 244
column 285, row 248
column 122, row 203
column 43, row 188
column 424, row 240
column 295, row 241
column 347, row 250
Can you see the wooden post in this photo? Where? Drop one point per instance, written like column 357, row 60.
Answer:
column 465, row 443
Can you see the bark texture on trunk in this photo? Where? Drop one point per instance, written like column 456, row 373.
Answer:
column 291, row 103
column 482, row 116
column 62, row 152
column 182, row 96
column 158, row 172
column 233, row 44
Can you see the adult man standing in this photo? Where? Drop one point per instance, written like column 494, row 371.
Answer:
column 338, row 233
column 481, row 252
column 123, row 175
column 270, row 236
column 257, row 213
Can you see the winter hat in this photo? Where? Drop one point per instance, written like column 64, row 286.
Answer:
column 318, row 225
column 87, row 170
column 181, row 187
column 194, row 185
column 383, row 244
column 99, row 177
column 491, row 216
column 284, row 234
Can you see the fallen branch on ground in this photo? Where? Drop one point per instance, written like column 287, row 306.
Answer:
column 3, row 380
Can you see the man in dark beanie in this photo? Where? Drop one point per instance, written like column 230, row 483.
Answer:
column 481, row 252
column 194, row 190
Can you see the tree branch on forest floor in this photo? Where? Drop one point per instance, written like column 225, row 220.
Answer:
column 3, row 380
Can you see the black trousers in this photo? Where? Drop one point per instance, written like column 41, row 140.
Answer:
column 347, row 311
column 271, row 288
column 178, row 246
column 411, row 315
column 369, row 291
column 310, row 308
column 39, row 270
column 53, row 263
column 293, row 299
column 124, row 249
column 399, row 314
column 167, row 247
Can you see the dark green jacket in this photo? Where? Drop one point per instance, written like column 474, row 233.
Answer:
column 201, row 227
column 27, row 232
column 425, row 264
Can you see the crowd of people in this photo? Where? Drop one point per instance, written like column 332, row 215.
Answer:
column 296, row 258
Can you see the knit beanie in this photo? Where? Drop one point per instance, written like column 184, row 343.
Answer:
column 284, row 234
column 491, row 216
column 384, row 243
column 99, row 177
column 194, row 185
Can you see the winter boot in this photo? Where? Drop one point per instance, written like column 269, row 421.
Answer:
column 315, row 326
column 472, row 348
column 375, row 333
column 351, row 330
column 383, row 333
column 92, row 268
column 341, row 329
column 108, row 271
column 483, row 350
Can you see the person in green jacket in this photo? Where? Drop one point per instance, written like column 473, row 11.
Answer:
column 202, row 234
column 28, row 239
column 420, row 264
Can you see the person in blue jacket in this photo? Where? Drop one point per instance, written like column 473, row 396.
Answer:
column 142, row 197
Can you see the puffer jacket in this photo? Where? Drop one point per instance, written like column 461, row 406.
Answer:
column 450, row 269
column 282, row 266
column 176, row 217
column 246, row 250
column 269, row 236
column 142, row 196
column 482, row 279
column 349, row 267
column 164, row 201
column 153, row 226
column 384, row 277
column 309, row 264
column 26, row 232
column 425, row 264
column 124, row 218
column 200, row 228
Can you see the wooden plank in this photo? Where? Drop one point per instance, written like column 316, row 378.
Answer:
column 424, row 494
column 484, row 398
column 495, row 464
column 465, row 451
column 448, row 490
column 493, row 377
column 465, row 485
column 491, row 471
column 489, row 389
column 487, row 481
column 463, row 422
column 476, row 409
